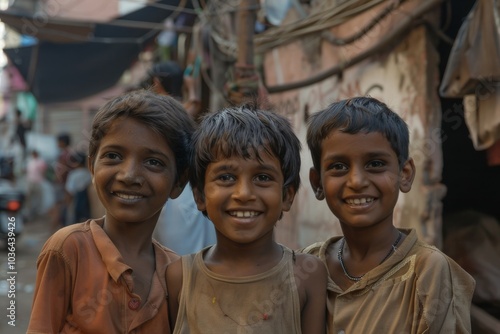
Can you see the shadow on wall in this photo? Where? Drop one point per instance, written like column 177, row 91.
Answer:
column 472, row 239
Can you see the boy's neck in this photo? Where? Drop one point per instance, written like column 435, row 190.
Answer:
column 239, row 260
column 362, row 242
column 130, row 239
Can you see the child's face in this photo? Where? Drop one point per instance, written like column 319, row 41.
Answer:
column 360, row 178
column 133, row 172
column 244, row 197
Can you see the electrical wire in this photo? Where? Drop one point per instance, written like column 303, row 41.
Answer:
column 399, row 30
column 152, row 26
column 328, row 16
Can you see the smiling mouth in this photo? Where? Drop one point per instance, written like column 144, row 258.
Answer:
column 243, row 214
column 359, row 201
column 127, row 196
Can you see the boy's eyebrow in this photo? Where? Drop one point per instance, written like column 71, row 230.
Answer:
column 371, row 155
column 158, row 153
column 148, row 150
column 377, row 154
column 231, row 166
column 223, row 167
column 267, row 167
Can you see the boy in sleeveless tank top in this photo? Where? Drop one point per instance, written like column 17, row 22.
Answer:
column 244, row 173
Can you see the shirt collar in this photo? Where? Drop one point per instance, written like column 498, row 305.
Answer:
column 109, row 253
column 374, row 274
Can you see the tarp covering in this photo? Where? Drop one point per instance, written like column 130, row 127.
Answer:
column 474, row 60
column 68, row 71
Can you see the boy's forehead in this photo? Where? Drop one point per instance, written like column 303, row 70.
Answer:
column 261, row 156
column 227, row 150
column 128, row 125
column 125, row 128
column 341, row 134
column 363, row 141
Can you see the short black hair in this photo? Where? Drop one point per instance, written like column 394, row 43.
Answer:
column 162, row 114
column 64, row 138
column 170, row 75
column 242, row 131
column 358, row 114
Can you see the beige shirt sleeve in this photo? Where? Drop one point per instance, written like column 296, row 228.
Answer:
column 445, row 291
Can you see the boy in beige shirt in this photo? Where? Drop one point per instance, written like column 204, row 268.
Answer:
column 381, row 279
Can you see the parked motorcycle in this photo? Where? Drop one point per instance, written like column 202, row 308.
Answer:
column 11, row 202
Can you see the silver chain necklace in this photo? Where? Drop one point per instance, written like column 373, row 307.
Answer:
column 358, row 278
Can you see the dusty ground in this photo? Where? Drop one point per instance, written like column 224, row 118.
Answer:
column 28, row 246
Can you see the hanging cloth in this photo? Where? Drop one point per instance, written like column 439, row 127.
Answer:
column 474, row 59
column 482, row 117
column 473, row 73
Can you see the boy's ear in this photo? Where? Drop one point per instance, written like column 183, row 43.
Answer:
column 90, row 166
column 179, row 186
column 407, row 175
column 315, row 180
column 288, row 198
column 199, row 199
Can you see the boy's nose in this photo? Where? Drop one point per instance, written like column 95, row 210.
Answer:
column 357, row 178
column 130, row 173
column 243, row 190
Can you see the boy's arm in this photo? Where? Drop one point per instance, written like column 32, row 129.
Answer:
column 311, row 279
column 445, row 292
column 174, row 287
column 52, row 294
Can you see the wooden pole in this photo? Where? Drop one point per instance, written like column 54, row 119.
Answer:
column 246, row 23
column 245, row 75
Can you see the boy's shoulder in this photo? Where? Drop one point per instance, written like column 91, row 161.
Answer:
column 428, row 253
column 431, row 260
column 319, row 248
column 67, row 243
column 74, row 233
column 165, row 252
column 312, row 249
column 306, row 262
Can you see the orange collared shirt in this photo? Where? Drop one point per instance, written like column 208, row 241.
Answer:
column 83, row 286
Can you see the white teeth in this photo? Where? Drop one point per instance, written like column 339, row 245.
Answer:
column 128, row 197
column 358, row 201
column 244, row 214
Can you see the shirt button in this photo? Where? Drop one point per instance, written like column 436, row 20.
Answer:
column 134, row 304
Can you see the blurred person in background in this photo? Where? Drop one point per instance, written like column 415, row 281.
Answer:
column 181, row 226
column 62, row 167
column 21, row 128
column 35, row 175
column 77, row 184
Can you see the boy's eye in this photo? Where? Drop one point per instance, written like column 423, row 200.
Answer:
column 263, row 178
column 111, row 156
column 155, row 162
column 337, row 166
column 375, row 164
column 226, row 177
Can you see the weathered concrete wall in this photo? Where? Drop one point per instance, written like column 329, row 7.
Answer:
column 405, row 77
